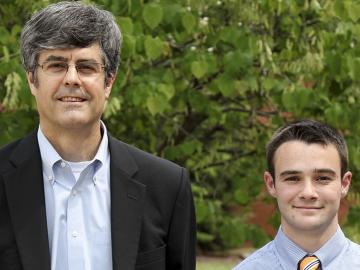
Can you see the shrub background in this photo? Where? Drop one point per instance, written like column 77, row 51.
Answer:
column 205, row 83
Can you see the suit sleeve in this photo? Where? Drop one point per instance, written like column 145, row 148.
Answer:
column 181, row 242
column 9, row 256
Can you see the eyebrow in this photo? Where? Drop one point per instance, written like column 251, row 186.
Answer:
column 318, row 171
column 55, row 58
column 289, row 172
column 328, row 171
column 64, row 59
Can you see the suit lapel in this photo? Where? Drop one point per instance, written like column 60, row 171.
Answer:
column 127, row 201
column 25, row 195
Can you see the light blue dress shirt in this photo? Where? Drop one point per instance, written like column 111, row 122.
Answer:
column 77, row 208
column 338, row 253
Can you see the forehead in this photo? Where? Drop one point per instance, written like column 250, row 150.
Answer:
column 300, row 156
column 92, row 52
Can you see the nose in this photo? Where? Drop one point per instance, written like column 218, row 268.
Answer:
column 308, row 190
column 71, row 77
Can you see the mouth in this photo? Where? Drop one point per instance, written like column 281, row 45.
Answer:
column 308, row 207
column 71, row 99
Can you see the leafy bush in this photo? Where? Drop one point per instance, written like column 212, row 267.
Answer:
column 205, row 83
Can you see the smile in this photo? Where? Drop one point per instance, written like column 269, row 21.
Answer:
column 307, row 207
column 71, row 99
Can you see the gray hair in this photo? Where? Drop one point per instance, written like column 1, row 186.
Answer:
column 71, row 25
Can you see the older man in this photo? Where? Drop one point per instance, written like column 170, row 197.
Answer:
column 71, row 196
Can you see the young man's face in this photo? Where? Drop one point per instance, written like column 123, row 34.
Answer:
column 308, row 187
column 70, row 100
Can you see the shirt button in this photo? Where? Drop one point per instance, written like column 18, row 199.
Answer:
column 74, row 234
column 62, row 164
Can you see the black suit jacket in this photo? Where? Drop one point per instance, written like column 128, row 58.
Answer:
column 152, row 212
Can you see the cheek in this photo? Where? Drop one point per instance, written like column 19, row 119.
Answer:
column 331, row 195
column 286, row 194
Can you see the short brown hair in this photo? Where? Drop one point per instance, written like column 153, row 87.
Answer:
column 307, row 131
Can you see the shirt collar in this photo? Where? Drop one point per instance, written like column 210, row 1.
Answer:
column 50, row 156
column 332, row 248
column 290, row 254
column 102, row 154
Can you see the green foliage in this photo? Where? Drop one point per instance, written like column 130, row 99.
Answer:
column 205, row 83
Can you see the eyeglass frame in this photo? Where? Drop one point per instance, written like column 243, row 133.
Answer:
column 76, row 65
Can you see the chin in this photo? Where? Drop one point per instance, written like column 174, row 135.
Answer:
column 76, row 123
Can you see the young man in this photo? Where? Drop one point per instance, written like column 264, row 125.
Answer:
column 71, row 196
column 308, row 176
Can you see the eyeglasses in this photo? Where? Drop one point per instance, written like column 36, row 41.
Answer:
column 84, row 69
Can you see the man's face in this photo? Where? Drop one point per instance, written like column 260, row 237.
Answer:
column 72, row 100
column 308, row 187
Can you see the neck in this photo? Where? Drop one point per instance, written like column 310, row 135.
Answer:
column 75, row 145
column 310, row 240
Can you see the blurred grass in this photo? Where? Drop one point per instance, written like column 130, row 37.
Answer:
column 216, row 263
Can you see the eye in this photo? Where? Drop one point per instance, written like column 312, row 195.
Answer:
column 292, row 178
column 87, row 68
column 323, row 179
column 55, row 67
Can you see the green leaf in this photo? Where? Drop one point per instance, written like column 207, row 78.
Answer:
column 13, row 87
column 354, row 67
column 226, row 85
column 334, row 114
column 340, row 9
column 173, row 153
column 167, row 89
column 4, row 35
column 6, row 54
column 298, row 99
column 126, row 25
column 188, row 148
column 188, row 20
column 128, row 46
column 198, row 101
column 333, row 61
column 303, row 97
column 157, row 104
column 269, row 84
column 233, row 232
column 238, row 61
column 204, row 237
column 202, row 210
column 112, row 107
column 153, row 47
column 354, row 12
column 152, row 14
column 289, row 100
column 241, row 196
column 199, row 69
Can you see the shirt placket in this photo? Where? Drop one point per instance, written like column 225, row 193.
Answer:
column 74, row 223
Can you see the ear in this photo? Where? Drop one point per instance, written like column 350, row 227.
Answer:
column 270, row 184
column 109, row 85
column 31, row 81
column 345, row 183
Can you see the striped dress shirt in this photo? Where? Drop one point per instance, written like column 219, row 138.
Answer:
column 338, row 253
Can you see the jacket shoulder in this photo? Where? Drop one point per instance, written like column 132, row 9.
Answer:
column 14, row 153
column 150, row 170
column 5, row 153
column 148, row 161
